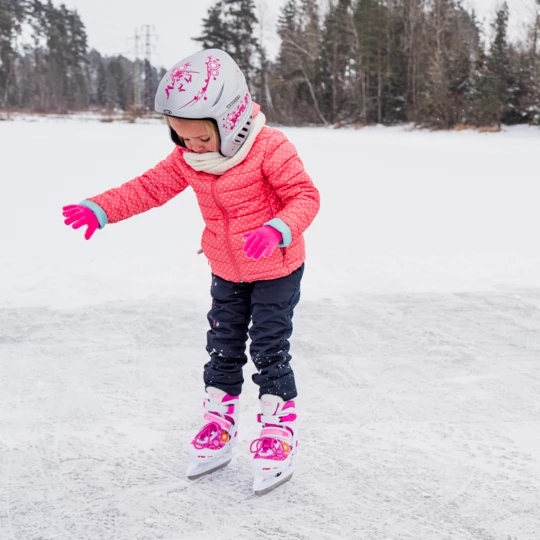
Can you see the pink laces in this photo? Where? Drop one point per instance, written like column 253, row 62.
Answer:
column 270, row 448
column 210, row 436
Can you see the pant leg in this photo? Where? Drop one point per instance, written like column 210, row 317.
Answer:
column 272, row 305
column 226, row 340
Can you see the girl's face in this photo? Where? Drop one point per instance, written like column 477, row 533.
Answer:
column 196, row 135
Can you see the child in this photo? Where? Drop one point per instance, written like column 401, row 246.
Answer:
column 256, row 201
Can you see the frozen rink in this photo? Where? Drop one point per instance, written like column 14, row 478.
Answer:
column 416, row 345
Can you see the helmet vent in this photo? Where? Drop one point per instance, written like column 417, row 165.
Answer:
column 219, row 95
column 243, row 133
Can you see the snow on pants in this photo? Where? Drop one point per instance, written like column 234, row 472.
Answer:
column 268, row 305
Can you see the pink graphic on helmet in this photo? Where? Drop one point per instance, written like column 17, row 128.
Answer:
column 232, row 118
column 183, row 73
column 212, row 72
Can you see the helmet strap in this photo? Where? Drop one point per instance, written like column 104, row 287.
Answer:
column 176, row 139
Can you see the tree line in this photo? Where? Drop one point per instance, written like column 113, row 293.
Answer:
column 390, row 61
column 349, row 62
column 53, row 70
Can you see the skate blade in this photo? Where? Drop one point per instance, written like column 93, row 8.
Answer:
column 201, row 469
column 263, row 485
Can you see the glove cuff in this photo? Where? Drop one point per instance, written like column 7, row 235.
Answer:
column 283, row 228
column 98, row 211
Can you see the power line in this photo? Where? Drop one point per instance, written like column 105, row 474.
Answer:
column 149, row 33
column 142, row 77
column 137, row 74
column 149, row 36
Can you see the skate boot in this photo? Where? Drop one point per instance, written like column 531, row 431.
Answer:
column 211, row 449
column 274, row 451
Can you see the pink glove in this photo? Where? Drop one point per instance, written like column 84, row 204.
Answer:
column 261, row 241
column 79, row 215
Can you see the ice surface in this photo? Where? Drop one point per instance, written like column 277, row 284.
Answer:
column 416, row 345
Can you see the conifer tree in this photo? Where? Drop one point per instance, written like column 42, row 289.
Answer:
column 395, row 90
column 309, row 43
column 371, row 23
column 76, row 60
column 64, row 56
column 295, row 70
column 243, row 46
column 96, row 78
column 496, row 81
column 411, row 15
column 334, row 66
column 215, row 34
column 288, row 28
column 286, row 70
column 529, row 71
column 12, row 14
column 117, row 83
column 453, row 41
column 231, row 26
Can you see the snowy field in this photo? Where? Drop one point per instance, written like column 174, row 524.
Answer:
column 416, row 345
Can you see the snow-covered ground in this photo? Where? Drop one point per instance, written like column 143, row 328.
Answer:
column 416, row 345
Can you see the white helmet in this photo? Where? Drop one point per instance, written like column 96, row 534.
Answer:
column 208, row 85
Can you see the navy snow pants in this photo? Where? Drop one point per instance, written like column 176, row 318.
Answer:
column 268, row 305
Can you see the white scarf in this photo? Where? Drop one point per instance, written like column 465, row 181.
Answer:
column 215, row 163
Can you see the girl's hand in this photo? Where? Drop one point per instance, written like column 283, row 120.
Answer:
column 261, row 242
column 78, row 215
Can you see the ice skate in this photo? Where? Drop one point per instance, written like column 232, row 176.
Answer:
column 274, row 451
column 211, row 449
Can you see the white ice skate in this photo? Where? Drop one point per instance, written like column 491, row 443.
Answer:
column 274, row 451
column 211, row 449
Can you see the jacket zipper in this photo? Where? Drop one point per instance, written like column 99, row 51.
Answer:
column 227, row 237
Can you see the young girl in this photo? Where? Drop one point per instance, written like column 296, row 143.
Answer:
column 256, row 201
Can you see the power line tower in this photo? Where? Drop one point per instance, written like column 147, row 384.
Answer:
column 144, row 79
column 149, row 36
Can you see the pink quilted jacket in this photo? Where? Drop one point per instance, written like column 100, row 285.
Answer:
column 269, row 183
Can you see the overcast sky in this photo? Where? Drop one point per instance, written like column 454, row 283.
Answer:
column 111, row 24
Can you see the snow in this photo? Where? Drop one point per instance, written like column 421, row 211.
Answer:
column 416, row 344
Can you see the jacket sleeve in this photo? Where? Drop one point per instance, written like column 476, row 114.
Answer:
column 154, row 188
column 285, row 172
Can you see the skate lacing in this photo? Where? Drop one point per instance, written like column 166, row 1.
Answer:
column 211, row 436
column 270, row 448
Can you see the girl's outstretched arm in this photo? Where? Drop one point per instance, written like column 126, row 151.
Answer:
column 153, row 188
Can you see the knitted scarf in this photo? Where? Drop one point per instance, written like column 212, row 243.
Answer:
column 215, row 163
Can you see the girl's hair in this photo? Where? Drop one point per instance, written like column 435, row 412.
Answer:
column 209, row 125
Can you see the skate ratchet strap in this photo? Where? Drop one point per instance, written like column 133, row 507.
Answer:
column 221, row 422
column 223, row 408
column 276, row 433
column 282, row 418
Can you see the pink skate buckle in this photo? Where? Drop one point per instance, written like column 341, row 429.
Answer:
column 276, row 432
column 221, row 422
